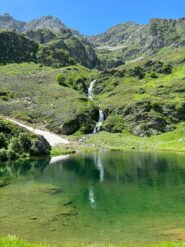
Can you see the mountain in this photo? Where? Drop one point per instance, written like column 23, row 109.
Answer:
column 46, row 22
column 59, row 45
column 9, row 23
column 123, row 42
column 51, row 23
column 129, row 40
column 142, row 96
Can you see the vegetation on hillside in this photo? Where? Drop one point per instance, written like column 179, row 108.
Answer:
column 142, row 97
column 15, row 142
column 16, row 48
column 40, row 99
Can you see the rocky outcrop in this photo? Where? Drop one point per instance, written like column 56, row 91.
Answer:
column 77, row 48
column 41, row 36
column 84, row 122
column 46, row 22
column 132, row 40
column 40, row 147
column 144, row 118
column 9, row 23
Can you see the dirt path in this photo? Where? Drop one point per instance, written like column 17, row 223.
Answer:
column 53, row 139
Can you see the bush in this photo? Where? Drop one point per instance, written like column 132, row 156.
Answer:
column 16, row 145
column 11, row 155
column 153, row 75
column 3, row 140
column 25, row 141
column 49, row 55
column 62, row 80
column 79, row 84
column 137, row 72
column 114, row 124
column 3, row 155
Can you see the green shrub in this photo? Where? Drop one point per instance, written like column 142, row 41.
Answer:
column 16, row 145
column 25, row 141
column 49, row 55
column 79, row 84
column 153, row 75
column 3, row 155
column 114, row 124
column 137, row 72
column 3, row 140
column 62, row 80
column 11, row 155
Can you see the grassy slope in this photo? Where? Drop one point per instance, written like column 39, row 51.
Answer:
column 12, row 241
column 34, row 95
column 171, row 141
column 163, row 90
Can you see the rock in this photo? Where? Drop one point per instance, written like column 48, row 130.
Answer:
column 69, row 128
column 40, row 147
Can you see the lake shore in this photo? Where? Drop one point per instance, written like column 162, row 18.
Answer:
column 12, row 241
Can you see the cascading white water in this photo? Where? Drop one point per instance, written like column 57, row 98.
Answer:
column 101, row 115
column 100, row 122
column 90, row 90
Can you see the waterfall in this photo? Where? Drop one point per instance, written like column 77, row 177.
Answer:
column 99, row 123
column 101, row 115
column 90, row 90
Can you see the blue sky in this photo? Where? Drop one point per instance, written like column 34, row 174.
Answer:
column 94, row 16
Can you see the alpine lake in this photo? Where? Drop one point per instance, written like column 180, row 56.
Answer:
column 103, row 197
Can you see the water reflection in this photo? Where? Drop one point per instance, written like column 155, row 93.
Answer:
column 111, row 194
column 99, row 164
column 57, row 159
column 92, row 197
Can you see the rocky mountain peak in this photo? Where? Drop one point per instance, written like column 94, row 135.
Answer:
column 7, row 22
column 46, row 22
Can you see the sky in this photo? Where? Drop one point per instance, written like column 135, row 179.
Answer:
column 94, row 16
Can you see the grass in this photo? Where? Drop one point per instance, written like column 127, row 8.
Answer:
column 13, row 241
column 170, row 141
column 37, row 97
column 56, row 151
column 40, row 100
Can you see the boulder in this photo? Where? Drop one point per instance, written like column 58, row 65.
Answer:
column 40, row 146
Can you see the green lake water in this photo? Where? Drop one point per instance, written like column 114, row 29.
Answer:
column 101, row 197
